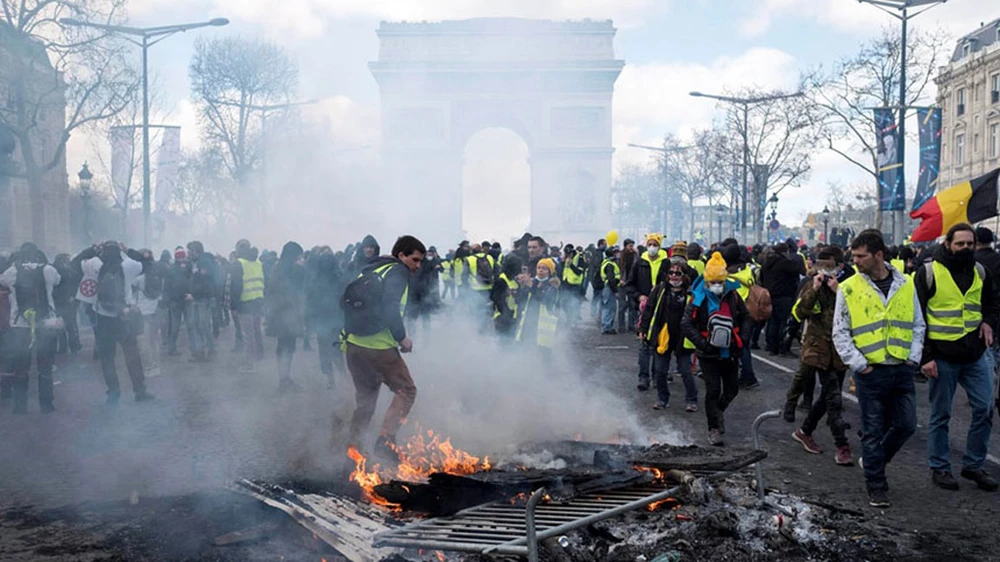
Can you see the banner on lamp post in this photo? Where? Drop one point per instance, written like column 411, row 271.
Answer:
column 167, row 167
column 889, row 155
column 930, row 155
column 123, row 163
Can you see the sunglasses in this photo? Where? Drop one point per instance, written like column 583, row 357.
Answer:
column 675, row 273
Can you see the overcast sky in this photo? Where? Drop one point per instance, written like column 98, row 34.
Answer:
column 670, row 47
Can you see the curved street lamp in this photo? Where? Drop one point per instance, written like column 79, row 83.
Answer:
column 85, row 176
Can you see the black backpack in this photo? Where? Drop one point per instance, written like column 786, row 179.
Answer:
column 111, row 291
column 362, row 303
column 153, row 286
column 484, row 270
column 29, row 290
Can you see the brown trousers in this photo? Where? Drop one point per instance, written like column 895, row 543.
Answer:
column 370, row 368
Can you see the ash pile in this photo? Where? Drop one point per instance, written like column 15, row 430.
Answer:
column 572, row 500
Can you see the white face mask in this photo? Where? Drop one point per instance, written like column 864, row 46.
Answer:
column 542, row 279
column 717, row 288
column 653, row 250
column 675, row 282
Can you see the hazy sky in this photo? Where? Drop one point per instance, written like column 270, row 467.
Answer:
column 670, row 47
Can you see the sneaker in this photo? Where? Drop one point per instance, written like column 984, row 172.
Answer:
column 715, row 438
column 843, row 456
column 749, row 385
column 691, row 407
column 944, row 480
column 386, row 449
column 643, row 386
column 981, row 478
column 807, row 442
column 660, row 406
column 878, row 498
column 789, row 412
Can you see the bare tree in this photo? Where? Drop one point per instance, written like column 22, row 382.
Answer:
column 635, row 192
column 780, row 136
column 57, row 79
column 695, row 172
column 204, row 193
column 846, row 94
column 232, row 79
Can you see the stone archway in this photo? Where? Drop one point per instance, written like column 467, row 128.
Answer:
column 550, row 82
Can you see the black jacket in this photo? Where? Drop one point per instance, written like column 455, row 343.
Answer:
column 668, row 307
column 640, row 281
column 694, row 324
column 780, row 274
column 990, row 260
column 395, row 282
column 971, row 346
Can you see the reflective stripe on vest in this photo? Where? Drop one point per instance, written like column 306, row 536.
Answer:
column 472, row 263
column 950, row 314
column 548, row 325
column 509, row 299
column 617, row 270
column 253, row 280
column 446, row 271
column 879, row 330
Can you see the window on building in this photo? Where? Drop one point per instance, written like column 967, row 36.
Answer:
column 960, row 150
column 960, row 99
column 995, row 88
column 975, row 143
column 995, row 140
column 966, row 49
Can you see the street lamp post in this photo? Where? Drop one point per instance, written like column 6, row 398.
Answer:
column 148, row 36
column 746, row 103
column 902, row 14
column 826, row 224
column 663, row 202
column 85, row 176
column 720, row 212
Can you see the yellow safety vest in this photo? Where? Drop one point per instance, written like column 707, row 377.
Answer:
column 698, row 266
column 617, row 270
column 253, row 280
column 654, row 264
column 569, row 276
column 898, row 264
column 472, row 262
column 445, row 271
column 879, row 330
column 950, row 314
column 510, row 300
column 383, row 339
column 746, row 280
column 548, row 324
column 458, row 269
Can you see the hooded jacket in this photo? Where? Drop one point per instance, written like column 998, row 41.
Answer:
column 665, row 306
column 640, row 281
column 780, row 274
column 971, row 346
column 694, row 323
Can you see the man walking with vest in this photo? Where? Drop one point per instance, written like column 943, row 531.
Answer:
column 878, row 330
column 610, row 277
column 374, row 360
column 957, row 297
column 573, row 274
column 246, row 290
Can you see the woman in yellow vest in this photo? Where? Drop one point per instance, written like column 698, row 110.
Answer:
column 539, row 316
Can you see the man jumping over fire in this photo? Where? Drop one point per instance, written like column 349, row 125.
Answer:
column 374, row 336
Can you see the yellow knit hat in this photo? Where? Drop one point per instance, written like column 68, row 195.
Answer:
column 654, row 238
column 549, row 263
column 715, row 269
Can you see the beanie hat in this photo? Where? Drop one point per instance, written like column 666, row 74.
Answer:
column 610, row 252
column 679, row 250
column 549, row 263
column 180, row 254
column 654, row 238
column 715, row 269
column 731, row 253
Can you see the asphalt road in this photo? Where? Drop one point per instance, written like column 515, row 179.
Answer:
column 211, row 425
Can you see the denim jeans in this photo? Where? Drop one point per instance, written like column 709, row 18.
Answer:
column 747, row 375
column 198, row 316
column 887, row 397
column 776, row 324
column 608, row 309
column 647, row 357
column 977, row 380
column 683, row 358
column 626, row 313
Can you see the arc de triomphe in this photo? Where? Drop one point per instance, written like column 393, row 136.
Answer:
column 549, row 82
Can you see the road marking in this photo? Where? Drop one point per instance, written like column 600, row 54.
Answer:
column 612, row 347
column 846, row 395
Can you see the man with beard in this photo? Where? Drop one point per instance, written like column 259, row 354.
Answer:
column 878, row 331
column 957, row 296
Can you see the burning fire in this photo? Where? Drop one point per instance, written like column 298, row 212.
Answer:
column 658, row 474
column 672, row 503
column 425, row 453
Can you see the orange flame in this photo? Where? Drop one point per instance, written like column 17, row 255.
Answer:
column 424, row 454
column 658, row 474
column 671, row 502
column 440, row 555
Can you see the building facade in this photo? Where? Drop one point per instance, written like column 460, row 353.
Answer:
column 33, row 122
column 969, row 97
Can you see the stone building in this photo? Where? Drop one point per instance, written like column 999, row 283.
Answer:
column 969, row 96
column 32, row 111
